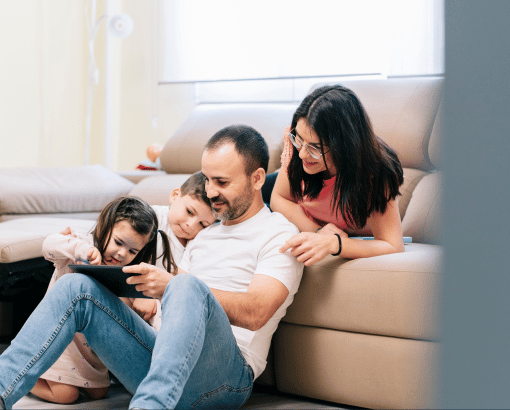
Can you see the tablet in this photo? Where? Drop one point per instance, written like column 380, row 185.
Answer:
column 112, row 278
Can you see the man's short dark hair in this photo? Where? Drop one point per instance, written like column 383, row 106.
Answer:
column 195, row 186
column 248, row 143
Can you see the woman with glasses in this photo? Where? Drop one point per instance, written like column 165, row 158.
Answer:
column 338, row 180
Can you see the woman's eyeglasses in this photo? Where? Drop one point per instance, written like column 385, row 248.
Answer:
column 299, row 143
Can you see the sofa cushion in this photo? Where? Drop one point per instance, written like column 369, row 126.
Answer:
column 156, row 190
column 435, row 139
column 22, row 238
column 59, row 190
column 411, row 179
column 74, row 215
column 391, row 295
column 422, row 220
column 179, row 156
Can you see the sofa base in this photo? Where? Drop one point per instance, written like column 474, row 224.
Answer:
column 355, row 369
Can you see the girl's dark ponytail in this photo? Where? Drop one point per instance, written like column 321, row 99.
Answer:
column 168, row 259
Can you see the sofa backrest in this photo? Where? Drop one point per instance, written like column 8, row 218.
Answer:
column 182, row 153
column 403, row 112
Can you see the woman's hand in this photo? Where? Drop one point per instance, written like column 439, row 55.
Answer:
column 331, row 229
column 151, row 280
column 145, row 308
column 311, row 248
column 94, row 256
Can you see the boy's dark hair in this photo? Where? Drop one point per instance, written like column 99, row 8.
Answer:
column 248, row 143
column 143, row 220
column 195, row 186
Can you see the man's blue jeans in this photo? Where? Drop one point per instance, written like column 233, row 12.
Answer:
column 194, row 361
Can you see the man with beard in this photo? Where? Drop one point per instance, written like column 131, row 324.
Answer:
column 219, row 312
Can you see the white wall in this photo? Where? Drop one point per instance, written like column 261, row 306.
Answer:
column 20, row 108
column 137, row 103
column 43, row 78
column 42, row 82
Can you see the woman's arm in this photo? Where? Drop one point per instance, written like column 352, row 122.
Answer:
column 282, row 202
column 311, row 248
column 387, row 231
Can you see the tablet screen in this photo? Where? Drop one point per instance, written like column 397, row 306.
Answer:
column 111, row 277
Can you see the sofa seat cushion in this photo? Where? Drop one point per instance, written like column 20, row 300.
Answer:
column 59, row 190
column 22, row 239
column 391, row 295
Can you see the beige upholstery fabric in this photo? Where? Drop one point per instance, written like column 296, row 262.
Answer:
column 73, row 215
column 156, row 190
column 422, row 220
column 392, row 295
column 411, row 178
column 59, row 190
column 179, row 156
column 402, row 111
column 138, row 174
column 356, row 369
column 22, row 238
column 435, row 139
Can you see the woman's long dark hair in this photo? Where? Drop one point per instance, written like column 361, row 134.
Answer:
column 368, row 171
column 143, row 220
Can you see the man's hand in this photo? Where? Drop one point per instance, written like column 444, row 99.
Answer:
column 145, row 308
column 152, row 281
column 94, row 256
column 311, row 248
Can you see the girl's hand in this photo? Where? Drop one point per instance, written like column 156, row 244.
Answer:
column 145, row 308
column 310, row 247
column 67, row 231
column 331, row 229
column 94, row 256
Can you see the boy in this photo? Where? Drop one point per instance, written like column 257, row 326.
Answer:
column 189, row 212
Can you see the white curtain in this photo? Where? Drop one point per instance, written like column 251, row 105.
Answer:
column 204, row 40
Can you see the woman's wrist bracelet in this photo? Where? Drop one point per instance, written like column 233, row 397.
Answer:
column 318, row 229
column 339, row 245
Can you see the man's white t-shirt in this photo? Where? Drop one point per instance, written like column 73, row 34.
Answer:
column 227, row 257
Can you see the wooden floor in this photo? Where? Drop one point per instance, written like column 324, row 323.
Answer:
column 118, row 398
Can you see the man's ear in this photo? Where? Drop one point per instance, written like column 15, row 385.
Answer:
column 258, row 178
column 175, row 194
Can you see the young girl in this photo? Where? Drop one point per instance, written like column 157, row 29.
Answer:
column 126, row 233
column 338, row 179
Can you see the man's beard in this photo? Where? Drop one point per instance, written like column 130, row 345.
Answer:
column 238, row 207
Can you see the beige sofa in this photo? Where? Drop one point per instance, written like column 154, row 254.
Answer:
column 360, row 332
